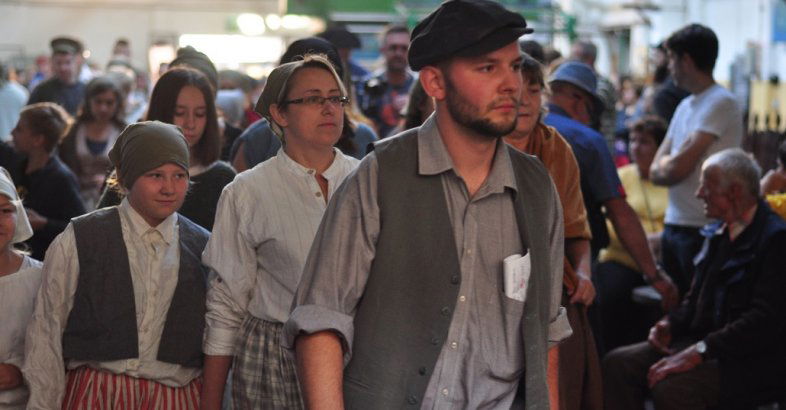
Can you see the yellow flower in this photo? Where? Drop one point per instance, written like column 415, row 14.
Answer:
column 778, row 204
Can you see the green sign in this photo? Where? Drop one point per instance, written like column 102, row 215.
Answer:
column 323, row 7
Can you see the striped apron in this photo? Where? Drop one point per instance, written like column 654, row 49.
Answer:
column 88, row 388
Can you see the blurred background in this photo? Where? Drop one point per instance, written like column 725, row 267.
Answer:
column 250, row 35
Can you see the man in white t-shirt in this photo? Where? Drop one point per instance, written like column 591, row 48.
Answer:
column 707, row 121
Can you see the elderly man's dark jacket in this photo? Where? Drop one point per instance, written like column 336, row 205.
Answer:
column 744, row 308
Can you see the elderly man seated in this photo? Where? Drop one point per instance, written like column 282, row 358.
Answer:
column 723, row 347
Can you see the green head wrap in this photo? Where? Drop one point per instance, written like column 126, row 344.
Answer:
column 147, row 145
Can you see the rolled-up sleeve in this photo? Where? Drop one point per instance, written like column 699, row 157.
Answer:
column 222, row 320
column 559, row 328
column 339, row 262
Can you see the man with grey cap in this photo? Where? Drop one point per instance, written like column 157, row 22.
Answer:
column 414, row 291
column 573, row 99
column 64, row 88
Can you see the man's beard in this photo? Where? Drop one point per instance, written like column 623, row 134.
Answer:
column 466, row 114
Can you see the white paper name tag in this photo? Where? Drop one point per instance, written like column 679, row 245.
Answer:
column 516, row 271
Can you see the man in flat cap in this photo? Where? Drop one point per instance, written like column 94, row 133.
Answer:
column 434, row 279
column 64, row 87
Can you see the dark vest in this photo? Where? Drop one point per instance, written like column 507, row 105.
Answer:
column 102, row 325
column 402, row 320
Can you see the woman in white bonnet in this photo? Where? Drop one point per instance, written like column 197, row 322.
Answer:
column 20, row 277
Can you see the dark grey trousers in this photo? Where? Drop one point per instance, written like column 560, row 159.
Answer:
column 625, row 382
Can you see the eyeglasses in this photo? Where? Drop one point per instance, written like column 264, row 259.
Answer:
column 319, row 101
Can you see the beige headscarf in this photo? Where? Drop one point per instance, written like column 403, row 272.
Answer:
column 276, row 85
column 147, row 145
column 23, row 229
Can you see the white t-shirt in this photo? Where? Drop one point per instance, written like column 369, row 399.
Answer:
column 17, row 299
column 714, row 111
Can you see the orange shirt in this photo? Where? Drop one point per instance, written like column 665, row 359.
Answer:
column 555, row 153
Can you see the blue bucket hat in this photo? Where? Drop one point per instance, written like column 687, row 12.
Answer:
column 581, row 76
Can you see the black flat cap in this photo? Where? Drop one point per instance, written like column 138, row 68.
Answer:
column 66, row 45
column 313, row 45
column 464, row 28
column 340, row 37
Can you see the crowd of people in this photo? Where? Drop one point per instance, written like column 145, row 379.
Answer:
column 480, row 223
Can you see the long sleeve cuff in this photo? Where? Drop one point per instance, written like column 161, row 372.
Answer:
column 308, row 319
column 559, row 328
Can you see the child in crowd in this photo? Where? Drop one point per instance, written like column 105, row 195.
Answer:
column 20, row 277
column 119, row 319
column 49, row 190
column 86, row 147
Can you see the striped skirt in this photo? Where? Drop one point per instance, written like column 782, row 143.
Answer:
column 263, row 374
column 87, row 388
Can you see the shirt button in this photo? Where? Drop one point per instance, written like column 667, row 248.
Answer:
column 453, row 345
column 412, row 400
column 435, row 340
column 318, row 194
column 445, row 392
column 311, row 172
column 454, row 279
column 445, row 311
column 469, row 251
column 422, row 371
column 462, row 298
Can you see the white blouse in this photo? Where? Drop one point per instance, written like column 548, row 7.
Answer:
column 17, row 299
column 265, row 223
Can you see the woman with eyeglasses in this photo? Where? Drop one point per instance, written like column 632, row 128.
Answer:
column 265, row 223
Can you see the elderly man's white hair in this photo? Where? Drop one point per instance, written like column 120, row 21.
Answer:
column 736, row 165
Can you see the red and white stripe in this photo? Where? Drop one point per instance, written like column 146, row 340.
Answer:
column 91, row 389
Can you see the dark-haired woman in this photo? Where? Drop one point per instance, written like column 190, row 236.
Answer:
column 623, row 321
column 86, row 147
column 184, row 97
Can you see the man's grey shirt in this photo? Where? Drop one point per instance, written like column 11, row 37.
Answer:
column 482, row 360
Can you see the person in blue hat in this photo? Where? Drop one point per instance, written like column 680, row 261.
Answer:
column 434, row 279
column 573, row 100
